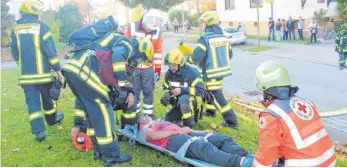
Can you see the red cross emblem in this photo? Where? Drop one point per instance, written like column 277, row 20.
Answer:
column 302, row 107
column 262, row 122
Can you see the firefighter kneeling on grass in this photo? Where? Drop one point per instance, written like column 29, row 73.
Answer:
column 290, row 126
column 184, row 90
column 97, row 66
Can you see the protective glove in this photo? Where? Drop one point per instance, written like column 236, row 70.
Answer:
column 165, row 100
column 55, row 90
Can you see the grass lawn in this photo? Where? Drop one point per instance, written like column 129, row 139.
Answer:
column 18, row 147
column 255, row 48
column 190, row 40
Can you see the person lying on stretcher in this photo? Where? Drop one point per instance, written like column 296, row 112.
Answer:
column 217, row 149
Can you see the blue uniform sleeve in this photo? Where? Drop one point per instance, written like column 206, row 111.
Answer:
column 196, row 86
column 14, row 47
column 166, row 86
column 199, row 52
column 48, row 47
column 120, row 54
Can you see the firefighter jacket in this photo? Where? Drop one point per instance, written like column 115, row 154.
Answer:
column 188, row 79
column 134, row 29
column 85, row 66
column 292, row 128
column 341, row 44
column 213, row 54
column 33, row 49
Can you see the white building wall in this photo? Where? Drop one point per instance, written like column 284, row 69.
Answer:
column 282, row 9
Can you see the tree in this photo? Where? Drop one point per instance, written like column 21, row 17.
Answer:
column 320, row 16
column 192, row 19
column 87, row 10
column 342, row 11
column 70, row 18
column 163, row 5
column 7, row 22
column 49, row 17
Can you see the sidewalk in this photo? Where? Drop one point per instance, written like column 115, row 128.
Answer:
column 318, row 53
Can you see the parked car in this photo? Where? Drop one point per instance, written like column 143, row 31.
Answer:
column 234, row 36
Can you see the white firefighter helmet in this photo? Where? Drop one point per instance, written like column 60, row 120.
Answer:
column 151, row 20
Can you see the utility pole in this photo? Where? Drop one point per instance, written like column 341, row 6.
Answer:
column 258, row 4
column 272, row 10
column 183, row 27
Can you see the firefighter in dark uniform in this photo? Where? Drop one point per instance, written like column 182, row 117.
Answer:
column 212, row 55
column 93, row 97
column 184, row 90
column 33, row 49
column 341, row 46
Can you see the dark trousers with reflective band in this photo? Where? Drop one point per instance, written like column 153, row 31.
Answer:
column 80, row 115
column 220, row 150
column 99, row 115
column 184, row 110
column 342, row 59
column 33, row 95
column 129, row 115
column 144, row 82
column 221, row 104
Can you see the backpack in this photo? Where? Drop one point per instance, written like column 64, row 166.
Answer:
column 87, row 37
column 104, row 64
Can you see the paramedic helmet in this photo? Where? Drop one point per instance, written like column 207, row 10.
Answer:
column 151, row 20
column 271, row 74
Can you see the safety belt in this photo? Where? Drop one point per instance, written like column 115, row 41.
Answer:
column 207, row 136
column 180, row 155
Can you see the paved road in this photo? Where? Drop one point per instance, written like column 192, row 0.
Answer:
column 312, row 68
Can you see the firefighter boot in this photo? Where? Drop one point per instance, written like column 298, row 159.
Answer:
column 40, row 136
column 108, row 162
column 190, row 122
column 59, row 118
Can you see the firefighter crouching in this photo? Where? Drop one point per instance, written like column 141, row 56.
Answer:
column 290, row 126
column 147, row 72
column 184, row 90
column 33, row 49
column 97, row 65
column 212, row 55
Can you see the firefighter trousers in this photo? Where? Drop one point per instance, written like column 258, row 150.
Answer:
column 99, row 115
column 220, row 149
column 144, row 82
column 129, row 115
column 342, row 59
column 184, row 110
column 221, row 104
column 33, row 96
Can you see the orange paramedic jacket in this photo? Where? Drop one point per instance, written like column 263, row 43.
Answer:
column 292, row 128
column 133, row 29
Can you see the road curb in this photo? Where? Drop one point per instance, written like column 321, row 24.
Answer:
column 331, row 113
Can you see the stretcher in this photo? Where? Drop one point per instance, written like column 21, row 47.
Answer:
column 135, row 136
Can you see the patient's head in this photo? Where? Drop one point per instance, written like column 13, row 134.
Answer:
column 144, row 120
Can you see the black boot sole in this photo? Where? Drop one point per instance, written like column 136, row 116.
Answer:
column 115, row 163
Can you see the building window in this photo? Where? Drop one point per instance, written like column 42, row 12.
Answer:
column 255, row 24
column 231, row 24
column 320, row 1
column 229, row 4
column 253, row 3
